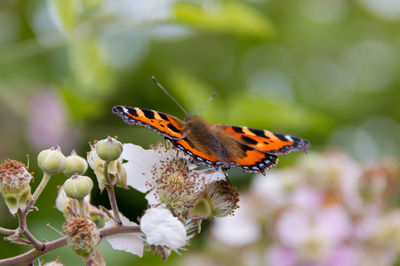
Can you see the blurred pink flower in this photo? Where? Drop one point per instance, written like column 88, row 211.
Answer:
column 314, row 233
column 280, row 256
column 48, row 123
column 344, row 255
column 307, row 197
column 328, row 210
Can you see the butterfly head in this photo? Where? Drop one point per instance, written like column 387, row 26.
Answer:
column 189, row 117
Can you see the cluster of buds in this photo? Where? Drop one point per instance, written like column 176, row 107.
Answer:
column 180, row 195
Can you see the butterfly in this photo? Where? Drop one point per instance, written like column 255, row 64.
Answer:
column 219, row 146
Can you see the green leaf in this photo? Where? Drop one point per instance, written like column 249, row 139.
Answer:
column 229, row 17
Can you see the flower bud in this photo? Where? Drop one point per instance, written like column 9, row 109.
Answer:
column 75, row 164
column 115, row 170
column 51, row 161
column 82, row 236
column 219, row 199
column 78, row 186
column 109, row 149
column 14, row 185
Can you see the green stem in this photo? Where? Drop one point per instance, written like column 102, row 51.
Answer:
column 39, row 189
column 111, row 194
column 81, row 207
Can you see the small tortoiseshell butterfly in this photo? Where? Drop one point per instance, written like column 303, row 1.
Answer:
column 219, row 146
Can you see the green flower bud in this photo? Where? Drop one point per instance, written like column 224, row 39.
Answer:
column 78, row 186
column 109, row 149
column 75, row 164
column 82, row 236
column 14, row 185
column 115, row 170
column 51, row 161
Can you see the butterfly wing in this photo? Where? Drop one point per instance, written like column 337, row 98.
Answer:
column 253, row 160
column 266, row 141
column 165, row 125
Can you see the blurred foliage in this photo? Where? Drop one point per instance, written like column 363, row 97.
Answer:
column 327, row 71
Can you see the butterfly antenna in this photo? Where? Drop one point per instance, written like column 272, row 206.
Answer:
column 209, row 99
column 159, row 85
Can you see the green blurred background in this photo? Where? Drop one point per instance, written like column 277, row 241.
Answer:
column 323, row 70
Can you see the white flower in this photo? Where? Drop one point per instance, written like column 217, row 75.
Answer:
column 167, row 174
column 161, row 228
column 129, row 242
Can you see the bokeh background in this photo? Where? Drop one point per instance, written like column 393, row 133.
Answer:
column 324, row 70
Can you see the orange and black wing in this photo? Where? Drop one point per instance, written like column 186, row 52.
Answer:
column 166, row 125
column 267, row 141
column 252, row 160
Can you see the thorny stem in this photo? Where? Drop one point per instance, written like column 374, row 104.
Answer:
column 31, row 255
column 22, row 226
column 111, row 194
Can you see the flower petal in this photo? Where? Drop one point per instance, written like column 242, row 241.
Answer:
column 162, row 228
column 139, row 165
column 129, row 242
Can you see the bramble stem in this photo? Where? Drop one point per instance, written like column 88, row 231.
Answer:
column 31, row 255
column 22, row 226
column 111, row 194
column 6, row 231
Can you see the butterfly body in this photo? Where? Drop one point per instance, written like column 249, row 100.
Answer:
column 220, row 146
